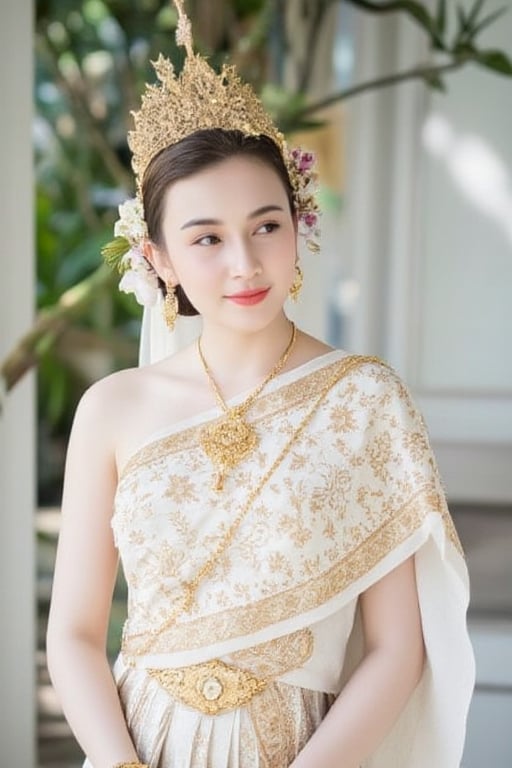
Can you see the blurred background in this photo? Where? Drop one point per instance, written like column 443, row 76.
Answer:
column 409, row 108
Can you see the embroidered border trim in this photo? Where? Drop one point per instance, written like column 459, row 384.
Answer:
column 245, row 620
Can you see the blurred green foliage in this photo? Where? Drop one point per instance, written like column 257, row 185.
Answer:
column 92, row 61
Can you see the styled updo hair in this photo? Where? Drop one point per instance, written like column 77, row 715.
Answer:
column 192, row 154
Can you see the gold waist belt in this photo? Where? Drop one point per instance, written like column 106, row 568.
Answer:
column 212, row 687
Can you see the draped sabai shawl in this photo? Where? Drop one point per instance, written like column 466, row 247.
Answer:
column 355, row 493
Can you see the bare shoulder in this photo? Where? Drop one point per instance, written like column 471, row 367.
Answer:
column 99, row 413
column 132, row 386
column 103, row 398
column 130, row 405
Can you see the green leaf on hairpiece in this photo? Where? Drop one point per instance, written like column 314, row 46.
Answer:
column 114, row 251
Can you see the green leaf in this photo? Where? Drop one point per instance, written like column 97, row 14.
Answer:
column 441, row 17
column 461, row 21
column 280, row 100
column 292, row 125
column 461, row 16
column 244, row 8
column 417, row 11
column 435, row 82
column 474, row 13
column 114, row 251
column 286, row 108
column 487, row 21
column 414, row 9
column 496, row 61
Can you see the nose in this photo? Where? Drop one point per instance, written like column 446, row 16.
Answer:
column 244, row 262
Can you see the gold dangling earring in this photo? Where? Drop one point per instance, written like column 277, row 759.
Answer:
column 170, row 306
column 297, row 283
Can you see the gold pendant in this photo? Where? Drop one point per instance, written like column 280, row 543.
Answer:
column 227, row 443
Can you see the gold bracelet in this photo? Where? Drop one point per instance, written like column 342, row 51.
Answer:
column 130, row 765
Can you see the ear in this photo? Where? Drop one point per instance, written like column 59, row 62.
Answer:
column 161, row 263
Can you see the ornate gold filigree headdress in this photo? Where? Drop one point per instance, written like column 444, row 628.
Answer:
column 177, row 106
column 196, row 99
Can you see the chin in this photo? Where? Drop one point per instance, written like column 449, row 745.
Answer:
column 253, row 319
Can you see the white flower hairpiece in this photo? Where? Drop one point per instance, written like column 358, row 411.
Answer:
column 139, row 278
column 125, row 251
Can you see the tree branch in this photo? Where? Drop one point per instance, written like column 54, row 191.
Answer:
column 416, row 73
column 391, row 7
column 49, row 324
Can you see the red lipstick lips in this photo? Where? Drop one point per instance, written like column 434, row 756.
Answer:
column 248, row 298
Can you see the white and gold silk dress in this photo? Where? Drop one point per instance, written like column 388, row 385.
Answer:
column 350, row 490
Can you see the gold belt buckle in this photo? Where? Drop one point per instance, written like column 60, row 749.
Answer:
column 212, row 687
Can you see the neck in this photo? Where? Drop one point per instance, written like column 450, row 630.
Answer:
column 238, row 359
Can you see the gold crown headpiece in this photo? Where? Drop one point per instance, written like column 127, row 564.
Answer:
column 198, row 98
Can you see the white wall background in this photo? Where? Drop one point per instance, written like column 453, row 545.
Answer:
column 427, row 234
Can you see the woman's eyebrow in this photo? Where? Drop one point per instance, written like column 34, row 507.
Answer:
column 264, row 209
column 214, row 222
column 200, row 223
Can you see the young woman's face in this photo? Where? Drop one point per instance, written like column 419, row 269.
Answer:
column 230, row 241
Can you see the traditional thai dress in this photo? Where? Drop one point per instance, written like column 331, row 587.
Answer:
column 343, row 487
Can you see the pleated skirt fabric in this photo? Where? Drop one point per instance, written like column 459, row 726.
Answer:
column 268, row 733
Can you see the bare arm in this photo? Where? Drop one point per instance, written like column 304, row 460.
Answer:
column 376, row 693
column 84, row 579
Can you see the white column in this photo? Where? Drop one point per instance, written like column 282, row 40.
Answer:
column 17, row 465
column 370, row 172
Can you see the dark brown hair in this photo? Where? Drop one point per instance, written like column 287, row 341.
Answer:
column 192, row 154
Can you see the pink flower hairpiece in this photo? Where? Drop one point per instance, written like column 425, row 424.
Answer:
column 304, row 177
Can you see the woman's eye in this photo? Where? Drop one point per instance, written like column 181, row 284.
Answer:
column 207, row 240
column 269, row 226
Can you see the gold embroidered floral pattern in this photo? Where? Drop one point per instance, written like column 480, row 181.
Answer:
column 276, row 657
column 359, row 482
column 379, row 455
column 284, row 718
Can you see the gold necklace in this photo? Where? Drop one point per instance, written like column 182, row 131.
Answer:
column 230, row 440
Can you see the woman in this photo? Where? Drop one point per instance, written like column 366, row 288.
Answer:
column 297, row 591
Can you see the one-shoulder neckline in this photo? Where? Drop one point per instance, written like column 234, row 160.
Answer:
column 280, row 381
